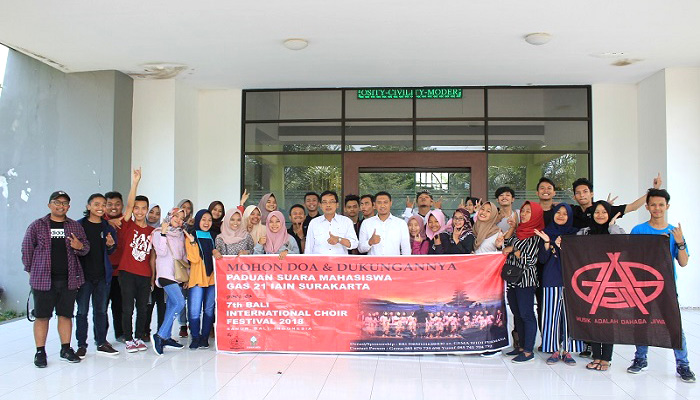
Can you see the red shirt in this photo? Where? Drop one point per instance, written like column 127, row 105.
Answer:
column 117, row 254
column 135, row 243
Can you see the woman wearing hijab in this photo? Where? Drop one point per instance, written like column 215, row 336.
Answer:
column 251, row 221
column 555, row 330
column 169, row 245
column 488, row 237
column 276, row 239
column 202, row 292
column 267, row 204
column 416, row 231
column 522, row 250
column 461, row 239
column 216, row 209
column 188, row 225
column 602, row 223
column 234, row 238
column 153, row 217
column 434, row 226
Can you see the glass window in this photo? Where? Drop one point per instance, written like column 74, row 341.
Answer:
column 293, row 137
column 471, row 105
column 449, row 135
column 538, row 135
column 538, row 102
column 296, row 104
column 376, row 108
column 379, row 136
column 289, row 177
column 522, row 171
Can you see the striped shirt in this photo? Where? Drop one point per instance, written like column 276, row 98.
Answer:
column 528, row 259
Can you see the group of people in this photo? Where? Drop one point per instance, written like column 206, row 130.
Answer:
column 132, row 258
column 434, row 325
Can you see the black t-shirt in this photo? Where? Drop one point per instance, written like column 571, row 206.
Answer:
column 305, row 224
column 582, row 219
column 290, row 231
column 93, row 262
column 59, row 253
column 549, row 216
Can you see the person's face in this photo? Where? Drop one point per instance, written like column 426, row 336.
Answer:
column 114, row 207
column 297, row 215
column 458, row 220
column 275, row 224
column 97, row 206
column 525, row 213
column 484, row 213
column 352, row 208
column 311, row 203
column 329, row 204
column 470, row 206
column 188, row 209
column 154, row 215
column 271, row 204
column 254, row 217
column 413, row 227
column 545, row 191
column 433, row 224
column 140, row 210
column 205, row 222
column 657, row 207
column 424, row 200
column 217, row 212
column 176, row 220
column 235, row 221
column 367, row 207
column 505, row 199
column 59, row 206
column 583, row 195
column 383, row 204
column 561, row 216
column 600, row 215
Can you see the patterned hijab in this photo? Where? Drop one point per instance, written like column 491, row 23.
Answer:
column 467, row 223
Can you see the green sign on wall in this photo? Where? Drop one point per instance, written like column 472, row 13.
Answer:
column 402, row 93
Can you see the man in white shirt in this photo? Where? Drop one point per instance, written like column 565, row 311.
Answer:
column 331, row 233
column 424, row 203
column 384, row 234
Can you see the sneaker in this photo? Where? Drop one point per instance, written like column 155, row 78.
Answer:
column 638, row 365
column 514, row 352
column 131, row 346
column 146, row 338
column 569, row 360
column 203, row 343
column 172, row 343
column 553, row 359
column 685, row 373
column 522, row 358
column 489, row 354
column 40, row 359
column 121, row 339
column 586, row 352
column 158, row 345
column 194, row 344
column 183, row 331
column 69, row 355
column 140, row 345
column 81, row 353
column 107, row 350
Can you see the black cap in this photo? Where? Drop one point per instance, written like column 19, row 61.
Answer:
column 57, row 194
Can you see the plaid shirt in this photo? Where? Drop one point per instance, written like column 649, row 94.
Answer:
column 36, row 253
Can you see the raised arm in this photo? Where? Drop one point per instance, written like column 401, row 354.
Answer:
column 634, row 206
column 132, row 194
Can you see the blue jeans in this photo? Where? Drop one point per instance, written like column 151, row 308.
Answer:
column 173, row 307
column 681, row 355
column 98, row 291
column 522, row 304
column 198, row 297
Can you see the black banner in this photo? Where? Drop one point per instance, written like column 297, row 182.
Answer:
column 621, row 289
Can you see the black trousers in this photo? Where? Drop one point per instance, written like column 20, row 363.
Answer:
column 602, row 351
column 135, row 288
column 115, row 297
column 157, row 299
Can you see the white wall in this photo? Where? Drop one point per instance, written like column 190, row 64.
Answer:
column 186, row 145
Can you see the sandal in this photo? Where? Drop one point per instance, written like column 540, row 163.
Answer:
column 593, row 364
column 603, row 367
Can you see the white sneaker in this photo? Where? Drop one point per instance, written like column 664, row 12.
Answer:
column 140, row 345
column 132, row 346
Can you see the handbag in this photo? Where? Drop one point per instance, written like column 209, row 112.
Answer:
column 511, row 273
column 181, row 268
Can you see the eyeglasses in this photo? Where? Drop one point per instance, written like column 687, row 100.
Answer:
column 458, row 219
column 60, row 203
column 328, row 202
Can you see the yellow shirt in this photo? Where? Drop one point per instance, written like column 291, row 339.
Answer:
column 198, row 271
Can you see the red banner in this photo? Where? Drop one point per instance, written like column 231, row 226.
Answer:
column 417, row 304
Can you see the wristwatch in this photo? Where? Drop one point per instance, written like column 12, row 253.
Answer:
column 680, row 246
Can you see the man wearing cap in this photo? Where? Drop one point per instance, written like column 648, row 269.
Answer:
column 50, row 251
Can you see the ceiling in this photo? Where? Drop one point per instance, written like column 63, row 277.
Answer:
column 238, row 44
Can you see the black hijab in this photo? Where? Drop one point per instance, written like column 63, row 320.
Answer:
column 596, row 228
column 215, row 222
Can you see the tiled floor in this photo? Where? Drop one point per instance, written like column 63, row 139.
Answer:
column 204, row 374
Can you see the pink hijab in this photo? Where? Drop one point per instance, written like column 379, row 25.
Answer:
column 275, row 240
column 263, row 210
column 440, row 217
column 421, row 224
column 227, row 233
